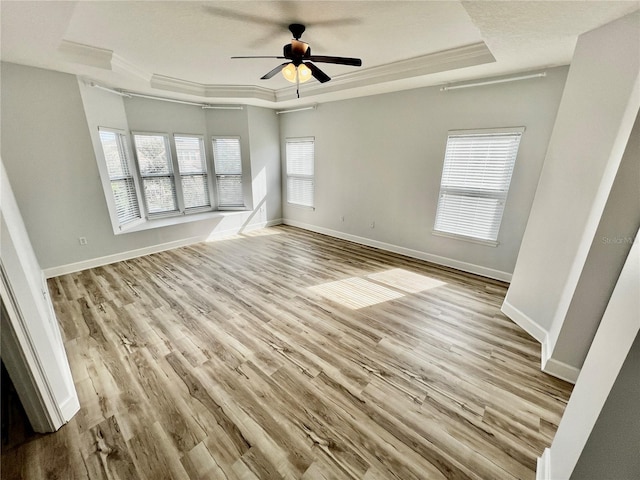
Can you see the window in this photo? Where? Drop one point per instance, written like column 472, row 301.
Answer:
column 475, row 182
column 156, row 171
column 228, row 167
column 300, row 166
column 167, row 178
column 114, row 147
column 192, row 165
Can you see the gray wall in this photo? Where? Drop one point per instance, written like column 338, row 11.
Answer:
column 612, row 448
column 379, row 159
column 50, row 160
column 610, row 246
column 600, row 422
column 591, row 132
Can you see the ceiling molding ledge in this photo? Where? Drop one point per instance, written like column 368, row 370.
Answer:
column 177, row 85
column 461, row 57
column 122, row 65
column 86, row 54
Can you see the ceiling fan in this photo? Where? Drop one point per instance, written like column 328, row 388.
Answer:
column 299, row 67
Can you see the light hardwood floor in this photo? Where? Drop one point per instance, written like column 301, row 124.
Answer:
column 287, row 354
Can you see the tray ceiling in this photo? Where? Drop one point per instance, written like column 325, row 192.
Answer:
column 183, row 49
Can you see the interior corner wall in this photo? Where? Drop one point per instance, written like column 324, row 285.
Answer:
column 50, row 160
column 611, row 450
column 600, row 422
column 609, row 249
column 379, row 159
column 595, row 118
column 264, row 140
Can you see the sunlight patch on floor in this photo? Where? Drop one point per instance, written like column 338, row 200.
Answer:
column 405, row 280
column 356, row 292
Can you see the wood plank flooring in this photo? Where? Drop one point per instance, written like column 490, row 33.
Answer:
column 286, row 354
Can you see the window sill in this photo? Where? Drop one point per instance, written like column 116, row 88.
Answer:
column 488, row 243
column 165, row 221
column 297, row 205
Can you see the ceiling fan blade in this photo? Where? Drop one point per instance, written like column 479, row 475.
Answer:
column 260, row 56
column 317, row 73
column 273, row 72
column 242, row 17
column 355, row 62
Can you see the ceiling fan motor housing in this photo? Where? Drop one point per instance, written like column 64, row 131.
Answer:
column 296, row 30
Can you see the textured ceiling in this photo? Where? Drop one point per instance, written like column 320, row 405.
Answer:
column 182, row 49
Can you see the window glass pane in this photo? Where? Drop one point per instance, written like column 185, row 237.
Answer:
column 152, row 155
column 123, row 188
column 191, row 157
column 469, row 216
column 160, row 194
column 480, row 161
column 230, row 190
column 228, row 165
column 300, row 171
column 195, row 190
column 226, row 156
column 124, row 194
column 114, row 154
column 300, row 157
column 300, row 191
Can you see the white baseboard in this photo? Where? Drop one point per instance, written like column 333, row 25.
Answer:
column 543, row 466
column 548, row 365
column 558, row 369
column 524, row 322
column 128, row 255
column 69, row 408
column 447, row 262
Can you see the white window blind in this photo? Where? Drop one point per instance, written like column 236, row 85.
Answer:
column 475, row 182
column 156, row 171
column 122, row 183
column 192, row 165
column 228, row 167
column 300, row 171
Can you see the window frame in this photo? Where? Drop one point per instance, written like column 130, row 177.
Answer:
column 172, row 163
column 207, row 165
column 117, row 224
column 312, row 177
column 474, row 191
column 220, row 206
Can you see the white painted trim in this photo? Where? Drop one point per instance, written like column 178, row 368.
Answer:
column 86, row 54
column 452, row 59
column 444, row 261
column 524, row 322
column 24, row 367
column 543, row 465
column 548, row 365
column 554, row 367
column 178, row 85
column 69, row 407
column 459, row 57
column 128, row 255
column 121, row 64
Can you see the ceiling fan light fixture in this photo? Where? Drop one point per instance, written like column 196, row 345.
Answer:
column 290, row 72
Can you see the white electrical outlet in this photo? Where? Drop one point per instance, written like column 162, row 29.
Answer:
column 82, row 240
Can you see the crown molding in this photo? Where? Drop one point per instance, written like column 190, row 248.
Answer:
column 178, row 85
column 122, row 65
column 445, row 60
column 86, row 54
column 460, row 57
